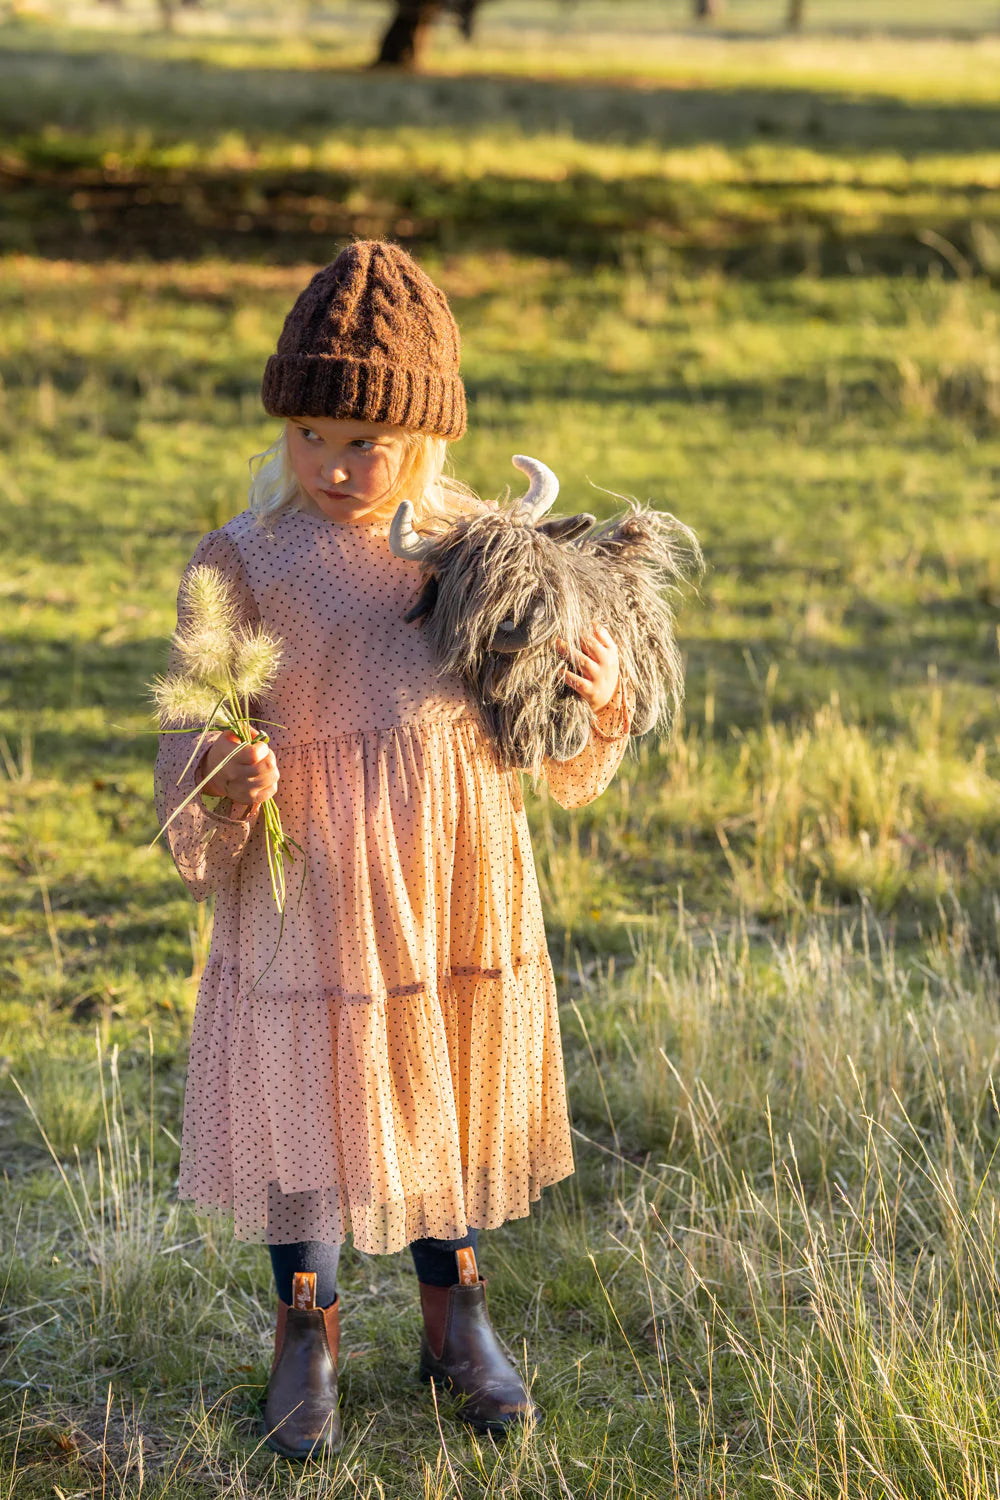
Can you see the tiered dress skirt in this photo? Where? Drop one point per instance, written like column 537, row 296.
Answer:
column 326, row 1097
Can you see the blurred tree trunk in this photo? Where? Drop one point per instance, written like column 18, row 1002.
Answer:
column 465, row 10
column 795, row 14
column 407, row 33
column 707, row 10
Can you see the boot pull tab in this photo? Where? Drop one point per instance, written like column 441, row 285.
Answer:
column 468, row 1271
column 304, row 1290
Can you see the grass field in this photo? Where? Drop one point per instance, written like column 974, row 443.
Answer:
column 753, row 279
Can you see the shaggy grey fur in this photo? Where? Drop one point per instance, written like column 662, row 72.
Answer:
column 499, row 591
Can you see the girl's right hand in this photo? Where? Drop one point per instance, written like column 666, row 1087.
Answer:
column 251, row 777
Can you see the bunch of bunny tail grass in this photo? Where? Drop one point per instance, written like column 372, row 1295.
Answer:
column 218, row 667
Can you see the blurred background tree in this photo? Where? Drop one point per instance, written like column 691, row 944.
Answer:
column 406, row 35
column 411, row 21
column 711, row 10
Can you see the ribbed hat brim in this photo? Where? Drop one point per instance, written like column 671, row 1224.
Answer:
column 323, row 385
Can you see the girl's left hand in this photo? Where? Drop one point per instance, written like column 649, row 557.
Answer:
column 596, row 664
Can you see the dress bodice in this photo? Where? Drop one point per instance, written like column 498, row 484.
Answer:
column 337, row 597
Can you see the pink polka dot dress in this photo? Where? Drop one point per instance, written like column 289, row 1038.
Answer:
column 397, row 1072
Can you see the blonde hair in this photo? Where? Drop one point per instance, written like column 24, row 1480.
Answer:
column 422, row 478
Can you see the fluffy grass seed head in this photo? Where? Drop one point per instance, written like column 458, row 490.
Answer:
column 209, row 599
column 182, row 699
column 208, row 639
column 207, row 653
column 255, row 661
column 216, row 658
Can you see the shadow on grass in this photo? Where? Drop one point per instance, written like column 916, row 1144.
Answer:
column 285, row 218
column 108, row 161
column 89, row 91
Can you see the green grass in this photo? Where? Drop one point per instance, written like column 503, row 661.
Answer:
column 755, row 283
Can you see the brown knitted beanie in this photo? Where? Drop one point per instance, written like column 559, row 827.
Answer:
column 373, row 338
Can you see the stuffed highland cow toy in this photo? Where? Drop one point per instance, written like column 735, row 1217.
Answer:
column 502, row 586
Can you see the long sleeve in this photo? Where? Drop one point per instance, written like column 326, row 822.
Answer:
column 205, row 844
column 574, row 783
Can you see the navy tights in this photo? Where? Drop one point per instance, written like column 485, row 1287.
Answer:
column 434, row 1261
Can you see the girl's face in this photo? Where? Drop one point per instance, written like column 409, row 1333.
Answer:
column 346, row 468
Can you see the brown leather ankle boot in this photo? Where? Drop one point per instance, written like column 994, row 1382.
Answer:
column 460, row 1350
column 300, row 1413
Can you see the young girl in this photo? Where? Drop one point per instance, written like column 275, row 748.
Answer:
column 396, row 1072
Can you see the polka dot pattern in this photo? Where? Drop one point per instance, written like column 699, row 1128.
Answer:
column 397, row 1072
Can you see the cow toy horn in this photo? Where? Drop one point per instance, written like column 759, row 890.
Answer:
column 542, row 490
column 404, row 539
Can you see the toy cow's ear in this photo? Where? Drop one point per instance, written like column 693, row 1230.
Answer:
column 426, row 601
column 565, row 528
column 627, row 534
